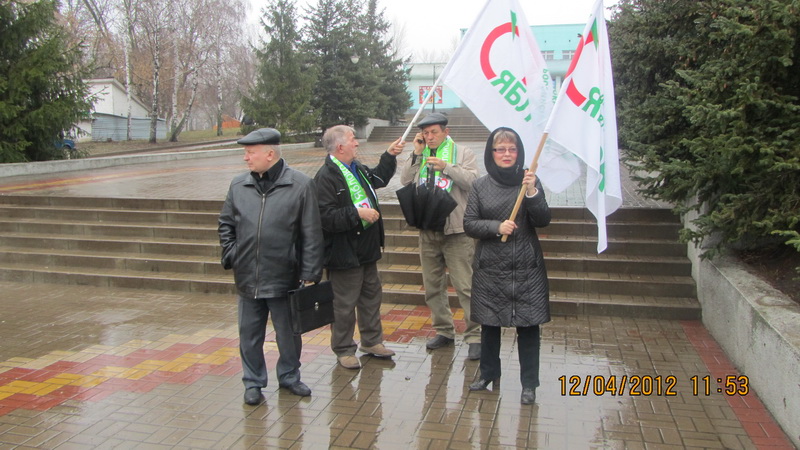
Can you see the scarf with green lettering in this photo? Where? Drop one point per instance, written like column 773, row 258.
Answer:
column 447, row 152
column 357, row 193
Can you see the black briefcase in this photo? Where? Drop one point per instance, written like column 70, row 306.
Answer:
column 311, row 306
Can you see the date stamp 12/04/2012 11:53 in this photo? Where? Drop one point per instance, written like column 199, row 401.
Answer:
column 648, row 385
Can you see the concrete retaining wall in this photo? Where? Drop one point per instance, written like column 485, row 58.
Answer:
column 42, row 167
column 365, row 131
column 758, row 327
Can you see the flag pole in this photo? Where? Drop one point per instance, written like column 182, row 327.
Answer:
column 438, row 82
column 521, row 195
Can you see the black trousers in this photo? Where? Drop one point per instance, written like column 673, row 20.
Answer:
column 528, row 344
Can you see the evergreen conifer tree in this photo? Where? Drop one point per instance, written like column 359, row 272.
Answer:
column 709, row 106
column 281, row 97
column 391, row 97
column 42, row 92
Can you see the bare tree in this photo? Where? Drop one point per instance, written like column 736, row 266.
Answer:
column 155, row 19
column 129, row 45
column 89, row 22
column 190, row 52
column 177, row 55
column 225, row 32
column 98, row 14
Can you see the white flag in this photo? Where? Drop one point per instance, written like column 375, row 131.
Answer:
column 498, row 71
column 584, row 121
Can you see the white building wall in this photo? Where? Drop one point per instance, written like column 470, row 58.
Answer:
column 112, row 99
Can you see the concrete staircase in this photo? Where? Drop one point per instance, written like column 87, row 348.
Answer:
column 464, row 127
column 459, row 133
column 173, row 245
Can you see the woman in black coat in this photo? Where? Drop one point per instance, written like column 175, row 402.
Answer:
column 509, row 281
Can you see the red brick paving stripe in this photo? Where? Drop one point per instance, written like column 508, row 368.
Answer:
column 754, row 417
column 17, row 373
column 109, row 385
column 62, row 366
column 66, row 392
column 38, row 376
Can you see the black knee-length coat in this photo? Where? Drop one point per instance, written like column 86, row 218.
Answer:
column 509, row 281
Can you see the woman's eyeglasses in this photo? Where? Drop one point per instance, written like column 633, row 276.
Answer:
column 500, row 150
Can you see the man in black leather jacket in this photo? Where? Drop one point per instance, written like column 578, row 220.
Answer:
column 353, row 229
column 270, row 233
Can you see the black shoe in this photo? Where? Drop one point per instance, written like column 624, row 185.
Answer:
column 438, row 341
column 299, row 388
column 528, row 396
column 481, row 384
column 252, row 395
column 474, row 351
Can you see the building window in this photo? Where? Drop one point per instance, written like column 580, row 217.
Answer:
column 548, row 55
column 567, row 54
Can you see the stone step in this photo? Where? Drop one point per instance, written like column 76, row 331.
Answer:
column 181, row 240
column 595, row 282
column 571, row 303
column 198, row 260
column 112, row 244
column 575, row 262
column 66, row 214
column 562, row 302
column 134, row 262
column 208, row 220
column 133, row 231
column 187, row 269
column 562, row 227
column 143, row 204
column 170, row 226
column 630, row 247
column 573, row 244
column 92, row 206
column 619, row 264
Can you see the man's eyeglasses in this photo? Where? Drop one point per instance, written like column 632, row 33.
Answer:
column 500, row 151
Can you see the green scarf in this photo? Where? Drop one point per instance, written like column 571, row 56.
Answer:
column 357, row 193
column 447, row 152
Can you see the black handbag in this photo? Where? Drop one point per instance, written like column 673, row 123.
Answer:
column 311, row 306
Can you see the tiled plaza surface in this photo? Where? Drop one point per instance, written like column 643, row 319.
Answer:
column 87, row 367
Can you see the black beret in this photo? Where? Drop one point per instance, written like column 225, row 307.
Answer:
column 433, row 119
column 269, row 136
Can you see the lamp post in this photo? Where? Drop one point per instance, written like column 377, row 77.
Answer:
column 433, row 86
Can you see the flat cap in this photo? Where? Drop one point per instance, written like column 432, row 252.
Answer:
column 433, row 119
column 269, row 136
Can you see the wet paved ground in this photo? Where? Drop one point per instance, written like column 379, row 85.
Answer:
column 86, row 367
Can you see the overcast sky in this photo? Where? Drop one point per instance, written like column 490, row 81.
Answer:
column 428, row 24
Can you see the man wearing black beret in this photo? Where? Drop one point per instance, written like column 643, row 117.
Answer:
column 451, row 250
column 271, row 237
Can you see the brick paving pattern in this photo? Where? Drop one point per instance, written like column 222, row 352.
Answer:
column 100, row 368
